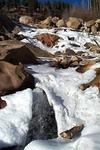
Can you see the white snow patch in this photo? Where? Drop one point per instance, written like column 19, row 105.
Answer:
column 15, row 117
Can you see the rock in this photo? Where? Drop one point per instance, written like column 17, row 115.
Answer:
column 94, row 82
column 60, row 23
column 75, row 131
column 90, row 23
column 2, row 103
column 47, row 22
column 74, row 23
column 64, row 61
column 86, row 66
column 93, row 29
column 48, row 39
column 6, row 24
column 93, row 48
column 26, row 20
column 14, row 78
column 98, row 21
column 43, row 124
column 97, row 25
column 16, row 52
column 55, row 20
column 70, row 52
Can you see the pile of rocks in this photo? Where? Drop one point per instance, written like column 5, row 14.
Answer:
column 92, row 26
column 73, row 23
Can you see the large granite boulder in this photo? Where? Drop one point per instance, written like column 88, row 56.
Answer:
column 14, row 78
column 74, row 23
column 16, row 52
column 26, row 20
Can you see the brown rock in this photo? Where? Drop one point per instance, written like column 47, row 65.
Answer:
column 90, row 23
column 97, row 25
column 86, row 66
column 74, row 23
column 55, row 20
column 48, row 39
column 69, row 134
column 98, row 21
column 6, row 24
column 16, row 52
column 14, row 78
column 47, row 22
column 26, row 20
column 60, row 23
column 2, row 103
column 93, row 47
column 93, row 29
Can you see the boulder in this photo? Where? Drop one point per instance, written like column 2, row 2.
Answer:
column 86, row 66
column 47, row 39
column 55, row 20
column 98, row 21
column 60, row 23
column 46, row 22
column 94, row 29
column 74, row 23
column 90, row 23
column 14, row 78
column 26, row 20
column 6, row 24
column 15, row 52
column 93, row 47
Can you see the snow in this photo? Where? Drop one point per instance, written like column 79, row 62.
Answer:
column 14, row 119
column 71, row 105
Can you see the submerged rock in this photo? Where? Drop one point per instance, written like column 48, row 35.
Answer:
column 43, row 124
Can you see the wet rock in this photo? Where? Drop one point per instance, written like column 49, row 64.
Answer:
column 43, row 124
column 47, row 39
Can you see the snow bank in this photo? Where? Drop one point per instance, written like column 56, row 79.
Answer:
column 71, row 105
column 14, row 119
